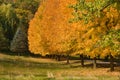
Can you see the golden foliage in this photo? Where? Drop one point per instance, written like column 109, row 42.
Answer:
column 50, row 31
column 90, row 33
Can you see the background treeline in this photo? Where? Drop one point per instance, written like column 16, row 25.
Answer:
column 13, row 14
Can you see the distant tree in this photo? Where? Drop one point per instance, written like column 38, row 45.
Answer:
column 3, row 40
column 31, row 5
column 25, row 10
column 16, row 13
column 8, row 20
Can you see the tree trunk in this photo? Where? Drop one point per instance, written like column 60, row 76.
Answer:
column 94, row 63
column 58, row 57
column 111, row 63
column 82, row 60
column 68, row 59
column 53, row 56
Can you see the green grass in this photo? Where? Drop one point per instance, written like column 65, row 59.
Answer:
column 28, row 68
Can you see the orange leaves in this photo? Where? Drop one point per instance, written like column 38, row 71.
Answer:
column 34, row 38
column 50, row 30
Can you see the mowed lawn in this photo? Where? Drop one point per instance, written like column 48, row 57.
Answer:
column 29, row 68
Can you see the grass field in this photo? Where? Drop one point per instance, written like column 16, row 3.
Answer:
column 28, row 68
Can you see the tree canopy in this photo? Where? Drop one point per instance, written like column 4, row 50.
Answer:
column 104, row 17
column 50, row 30
column 57, row 32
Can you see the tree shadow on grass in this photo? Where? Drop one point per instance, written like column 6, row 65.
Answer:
column 107, row 65
column 31, row 64
column 19, row 62
column 25, row 54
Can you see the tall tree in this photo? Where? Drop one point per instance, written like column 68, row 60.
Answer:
column 50, row 31
column 104, row 16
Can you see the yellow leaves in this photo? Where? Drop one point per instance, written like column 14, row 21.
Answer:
column 87, row 49
column 113, row 16
column 92, row 54
column 113, row 53
column 117, row 27
column 105, row 52
column 89, row 33
column 111, row 13
column 50, row 31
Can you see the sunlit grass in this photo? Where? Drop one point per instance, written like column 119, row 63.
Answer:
column 28, row 68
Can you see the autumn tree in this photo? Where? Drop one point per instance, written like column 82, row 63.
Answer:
column 110, row 45
column 50, row 31
column 101, row 17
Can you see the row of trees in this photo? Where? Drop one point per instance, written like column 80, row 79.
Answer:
column 73, row 27
column 84, row 27
column 14, row 14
